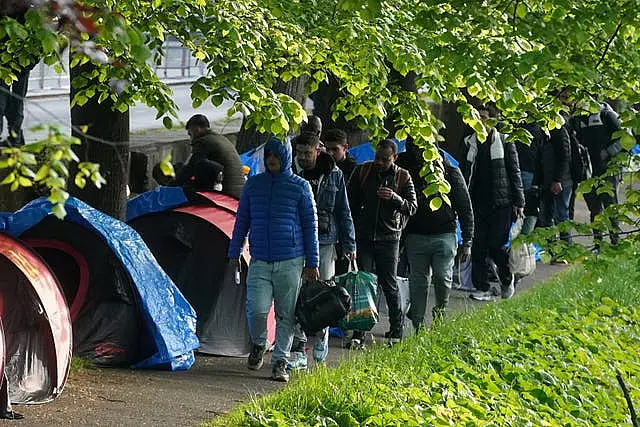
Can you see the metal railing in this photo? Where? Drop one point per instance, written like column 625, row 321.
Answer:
column 177, row 65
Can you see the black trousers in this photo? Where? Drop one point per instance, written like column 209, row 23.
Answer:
column 597, row 203
column 381, row 257
column 12, row 106
column 491, row 234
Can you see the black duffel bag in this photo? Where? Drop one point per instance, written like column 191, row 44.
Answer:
column 321, row 304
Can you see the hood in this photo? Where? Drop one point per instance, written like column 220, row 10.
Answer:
column 282, row 151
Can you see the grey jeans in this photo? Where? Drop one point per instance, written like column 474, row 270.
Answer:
column 431, row 259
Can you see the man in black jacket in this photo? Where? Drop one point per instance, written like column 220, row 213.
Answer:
column 431, row 239
column 492, row 171
column 207, row 146
column 382, row 198
column 596, row 133
column 554, row 179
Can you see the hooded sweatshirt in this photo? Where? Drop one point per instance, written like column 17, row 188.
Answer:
column 278, row 213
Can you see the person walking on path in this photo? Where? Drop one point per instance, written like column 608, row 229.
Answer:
column 382, row 200
column 335, row 141
column 595, row 132
column 207, row 146
column 334, row 216
column 554, row 179
column 278, row 212
column 431, row 239
column 492, row 172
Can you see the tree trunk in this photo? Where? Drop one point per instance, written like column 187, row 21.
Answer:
column 323, row 100
column 455, row 129
column 105, row 142
column 249, row 138
column 11, row 201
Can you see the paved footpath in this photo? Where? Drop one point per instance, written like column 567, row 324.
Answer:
column 212, row 387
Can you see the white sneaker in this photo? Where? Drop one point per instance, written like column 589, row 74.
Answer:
column 508, row 291
column 482, row 296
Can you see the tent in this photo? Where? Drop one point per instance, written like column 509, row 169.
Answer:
column 125, row 310
column 189, row 236
column 35, row 349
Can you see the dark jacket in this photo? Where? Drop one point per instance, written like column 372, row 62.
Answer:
column 334, row 216
column 503, row 169
column 428, row 222
column 347, row 166
column 217, row 148
column 376, row 219
column 528, row 154
column 596, row 133
column 278, row 213
column 554, row 160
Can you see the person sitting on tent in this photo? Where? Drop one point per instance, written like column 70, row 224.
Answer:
column 334, row 219
column 207, row 146
column 278, row 212
column 208, row 175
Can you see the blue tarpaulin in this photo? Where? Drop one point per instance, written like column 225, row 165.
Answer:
column 168, row 317
column 158, row 200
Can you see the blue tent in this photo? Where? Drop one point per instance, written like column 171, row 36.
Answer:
column 167, row 318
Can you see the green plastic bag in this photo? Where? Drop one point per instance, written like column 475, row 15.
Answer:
column 362, row 287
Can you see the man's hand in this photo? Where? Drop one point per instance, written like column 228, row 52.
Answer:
column 556, row 188
column 464, row 253
column 310, row 274
column 385, row 193
column 604, row 155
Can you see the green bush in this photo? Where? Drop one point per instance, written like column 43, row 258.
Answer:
column 548, row 357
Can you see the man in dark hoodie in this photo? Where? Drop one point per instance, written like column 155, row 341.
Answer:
column 278, row 213
column 431, row 239
column 382, row 200
column 207, row 146
column 334, row 216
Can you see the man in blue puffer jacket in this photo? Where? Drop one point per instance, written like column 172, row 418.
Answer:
column 277, row 210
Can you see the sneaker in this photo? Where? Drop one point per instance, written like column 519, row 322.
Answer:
column 355, row 344
column 279, row 371
column 297, row 362
column 321, row 347
column 510, row 289
column 11, row 415
column 482, row 296
column 298, row 346
column 393, row 337
column 256, row 360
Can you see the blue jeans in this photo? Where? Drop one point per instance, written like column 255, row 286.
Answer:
column 555, row 209
column 431, row 258
column 277, row 282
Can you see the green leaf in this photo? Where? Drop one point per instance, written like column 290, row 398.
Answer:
column 167, row 122
column 521, row 10
column 166, row 167
column 435, row 203
column 627, row 141
column 59, row 211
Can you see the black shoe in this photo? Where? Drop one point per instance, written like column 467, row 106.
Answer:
column 10, row 415
column 256, row 360
column 394, row 336
column 279, row 371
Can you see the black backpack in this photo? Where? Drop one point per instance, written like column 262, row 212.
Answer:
column 321, row 304
column 580, row 165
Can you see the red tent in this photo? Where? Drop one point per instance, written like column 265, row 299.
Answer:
column 37, row 326
column 191, row 242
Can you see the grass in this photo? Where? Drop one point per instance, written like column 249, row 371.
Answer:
column 548, row 357
column 79, row 364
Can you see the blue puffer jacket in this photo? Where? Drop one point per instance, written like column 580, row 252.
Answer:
column 279, row 214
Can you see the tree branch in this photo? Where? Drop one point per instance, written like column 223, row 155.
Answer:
column 606, row 48
column 627, row 396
